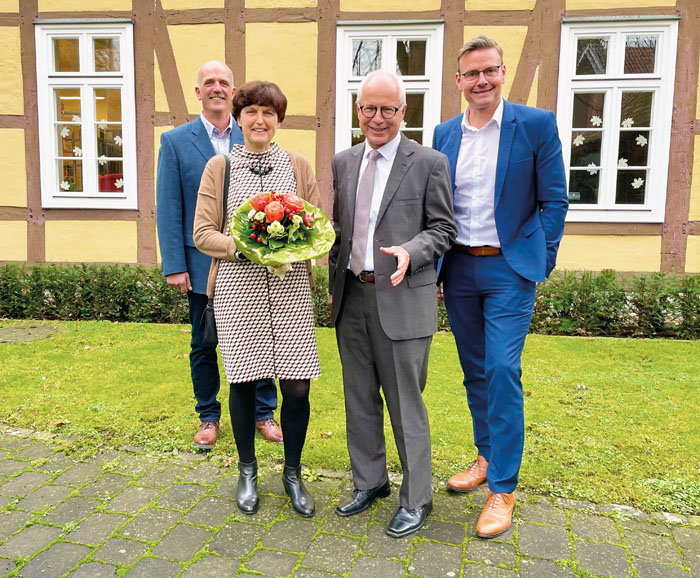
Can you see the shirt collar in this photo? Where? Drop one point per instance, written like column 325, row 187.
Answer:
column 497, row 118
column 388, row 150
column 211, row 128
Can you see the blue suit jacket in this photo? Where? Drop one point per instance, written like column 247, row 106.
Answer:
column 184, row 152
column 530, row 196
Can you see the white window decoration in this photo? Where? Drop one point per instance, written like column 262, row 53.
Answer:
column 412, row 51
column 87, row 121
column 614, row 113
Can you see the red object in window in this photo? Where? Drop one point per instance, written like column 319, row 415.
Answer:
column 107, row 183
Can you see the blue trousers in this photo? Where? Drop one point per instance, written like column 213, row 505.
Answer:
column 490, row 307
column 204, row 368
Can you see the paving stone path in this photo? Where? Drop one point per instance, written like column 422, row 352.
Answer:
column 126, row 513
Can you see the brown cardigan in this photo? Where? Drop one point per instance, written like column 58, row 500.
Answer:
column 208, row 215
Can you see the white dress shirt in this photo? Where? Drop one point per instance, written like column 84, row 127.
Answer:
column 384, row 164
column 220, row 142
column 475, row 182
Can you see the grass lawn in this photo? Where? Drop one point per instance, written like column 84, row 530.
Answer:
column 607, row 420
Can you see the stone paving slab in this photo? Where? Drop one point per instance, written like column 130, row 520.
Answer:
column 129, row 513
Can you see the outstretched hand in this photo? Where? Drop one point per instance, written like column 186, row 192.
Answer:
column 403, row 259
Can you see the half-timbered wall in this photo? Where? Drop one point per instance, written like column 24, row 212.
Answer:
column 293, row 43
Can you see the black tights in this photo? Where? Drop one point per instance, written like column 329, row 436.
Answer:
column 294, row 418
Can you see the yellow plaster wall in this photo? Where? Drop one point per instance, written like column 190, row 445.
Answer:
column 161, row 98
column 280, row 3
column 695, row 185
column 91, row 241
column 491, row 5
column 301, row 141
column 14, row 236
column 511, row 39
column 13, row 193
column 11, row 91
column 692, row 255
column 532, row 98
column 9, row 5
column 189, row 4
column 193, row 45
column 388, row 5
column 604, row 4
column 619, row 252
column 292, row 66
column 68, row 5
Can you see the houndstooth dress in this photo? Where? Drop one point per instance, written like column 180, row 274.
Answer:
column 265, row 325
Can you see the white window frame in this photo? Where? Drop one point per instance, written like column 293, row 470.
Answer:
column 613, row 83
column 430, row 83
column 86, row 81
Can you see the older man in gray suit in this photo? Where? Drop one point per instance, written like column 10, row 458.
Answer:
column 393, row 219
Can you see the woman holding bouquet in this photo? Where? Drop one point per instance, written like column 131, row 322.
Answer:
column 265, row 323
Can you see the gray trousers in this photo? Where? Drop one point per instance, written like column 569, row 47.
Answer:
column 371, row 360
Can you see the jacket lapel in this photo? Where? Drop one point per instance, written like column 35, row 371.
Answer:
column 451, row 150
column 505, row 143
column 399, row 169
column 353, row 172
column 200, row 139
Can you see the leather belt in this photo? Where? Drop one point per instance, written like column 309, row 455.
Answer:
column 365, row 277
column 477, row 251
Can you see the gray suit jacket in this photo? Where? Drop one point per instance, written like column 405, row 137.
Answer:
column 415, row 213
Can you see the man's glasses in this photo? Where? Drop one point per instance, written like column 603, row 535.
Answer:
column 387, row 112
column 473, row 75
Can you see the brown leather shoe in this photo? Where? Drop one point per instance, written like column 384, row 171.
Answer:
column 497, row 515
column 269, row 429
column 205, row 438
column 471, row 478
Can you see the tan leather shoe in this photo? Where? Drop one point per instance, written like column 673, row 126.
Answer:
column 205, row 438
column 269, row 429
column 471, row 478
column 497, row 515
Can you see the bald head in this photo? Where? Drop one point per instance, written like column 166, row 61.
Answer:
column 215, row 90
column 213, row 67
column 385, row 79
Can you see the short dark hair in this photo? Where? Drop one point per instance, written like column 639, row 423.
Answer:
column 480, row 42
column 262, row 93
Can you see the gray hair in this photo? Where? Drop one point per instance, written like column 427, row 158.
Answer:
column 383, row 74
column 480, row 42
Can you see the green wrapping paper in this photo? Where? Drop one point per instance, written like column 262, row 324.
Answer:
column 319, row 239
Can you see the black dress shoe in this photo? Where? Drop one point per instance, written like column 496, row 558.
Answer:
column 406, row 522
column 247, row 491
column 363, row 499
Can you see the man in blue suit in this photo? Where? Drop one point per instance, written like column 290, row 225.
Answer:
column 510, row 201
column 184, row 152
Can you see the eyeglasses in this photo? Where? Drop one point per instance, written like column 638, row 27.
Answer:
column 387, row 112
column 473, row 75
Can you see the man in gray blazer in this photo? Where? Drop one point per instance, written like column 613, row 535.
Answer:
column 393, row 219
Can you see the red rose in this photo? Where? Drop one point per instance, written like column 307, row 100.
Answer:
column 293, row 203
column 308, row 219
column 274, row 211
column 260, row 201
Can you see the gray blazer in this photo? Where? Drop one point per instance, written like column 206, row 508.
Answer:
column 415, row 213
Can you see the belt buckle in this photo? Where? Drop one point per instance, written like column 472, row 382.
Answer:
column 366, row 276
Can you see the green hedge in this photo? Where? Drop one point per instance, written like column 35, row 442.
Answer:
column 569, row 303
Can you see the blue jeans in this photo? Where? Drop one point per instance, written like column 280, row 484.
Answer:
column 204, row 369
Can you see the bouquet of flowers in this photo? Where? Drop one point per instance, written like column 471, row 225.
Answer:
column 275, row 228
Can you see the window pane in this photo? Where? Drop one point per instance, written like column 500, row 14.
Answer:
column 591, row 56
column 70, row 175
column 414, row 111
column 634, row 147
column 67, row 104
column 585, row 148
column 588, row 109
column 66, row 55
column 416, row 135
column 355, row 120
column 366, row 56
column 631, row 187
column 109, row 140
column 110, row 176
column 106, row 52
column 410, row 57
column 636, row 109
column 583, row 186
column 640, row 54
column 69, row 141
column 108, row 105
